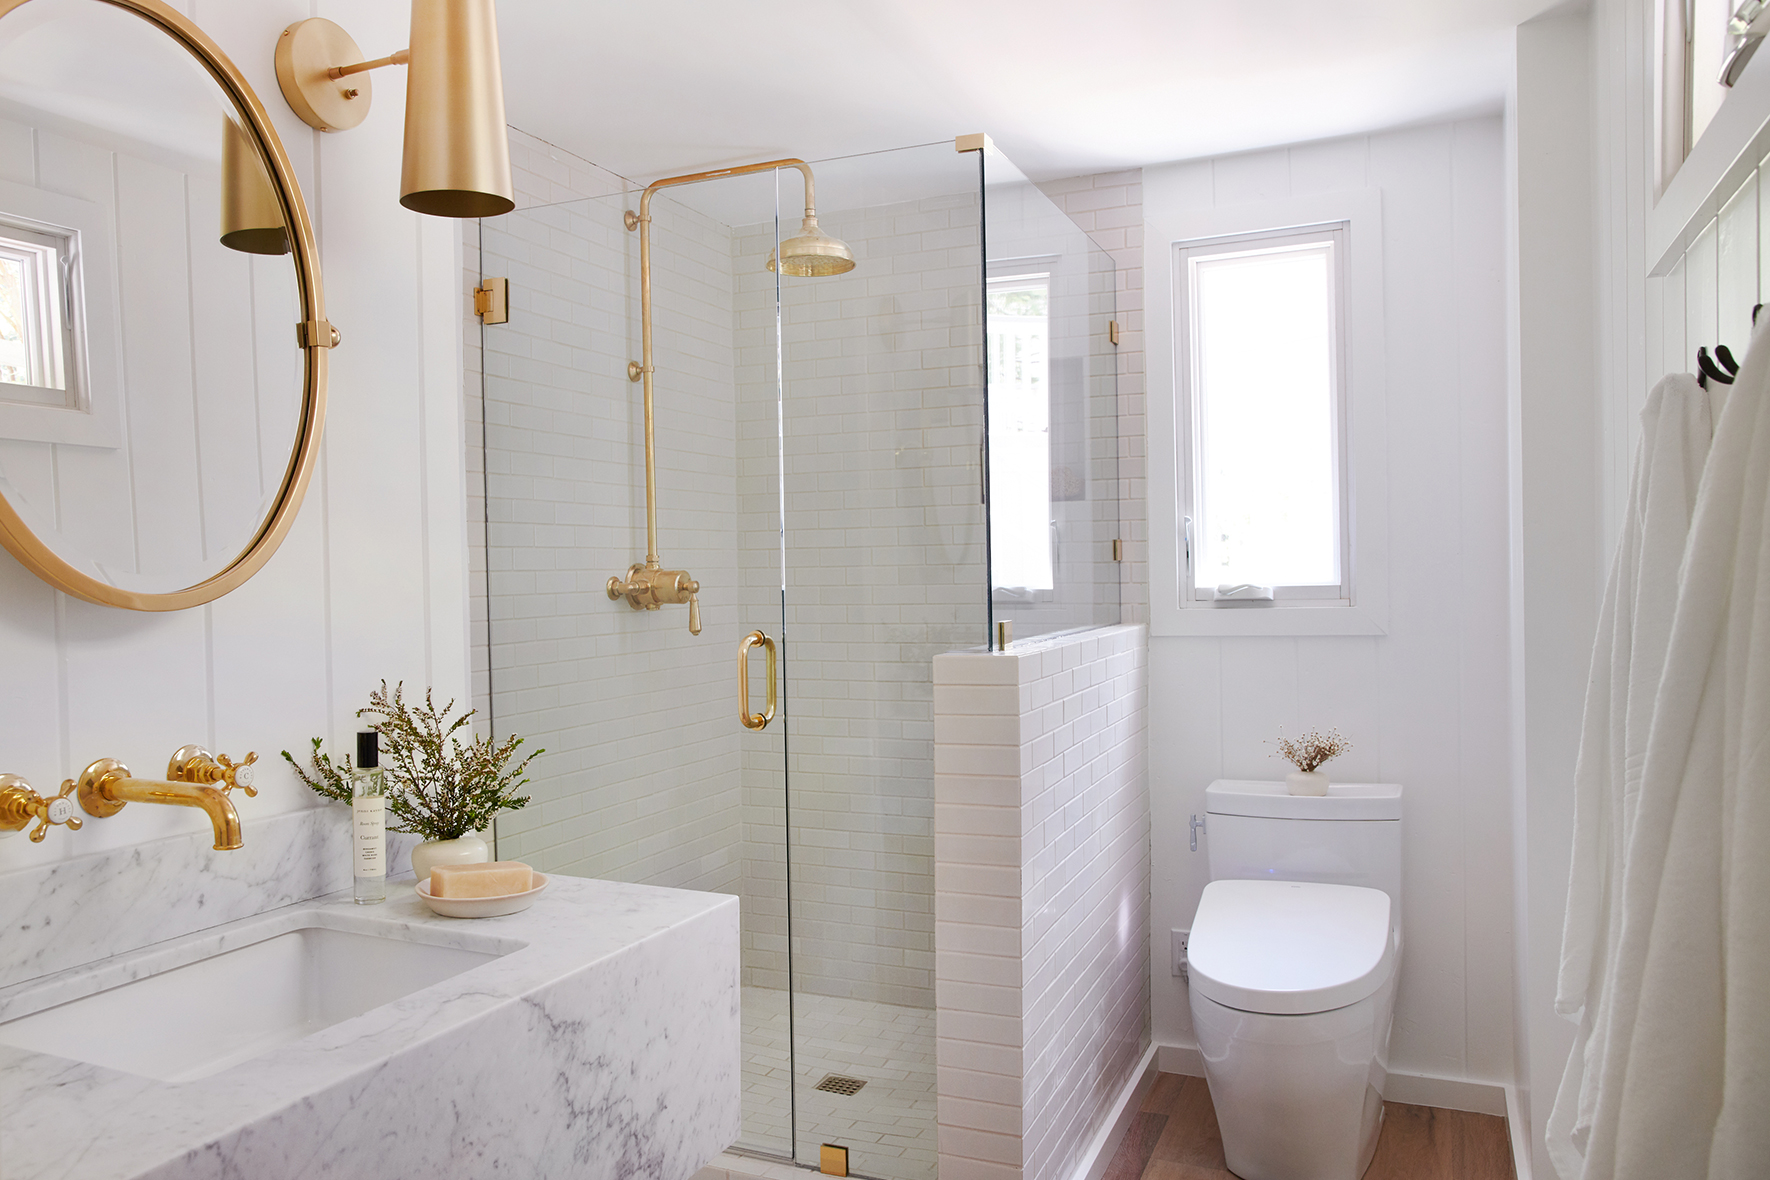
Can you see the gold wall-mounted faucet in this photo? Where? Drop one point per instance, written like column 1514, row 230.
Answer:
column 20, row 804
column 192, row 776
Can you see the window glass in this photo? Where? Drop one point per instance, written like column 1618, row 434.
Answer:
column 33, row 324
column 15, row 332
column 1262, row 337
column 1020, row 431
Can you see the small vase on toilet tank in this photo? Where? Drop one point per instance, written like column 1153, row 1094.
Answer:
column 1306, row 782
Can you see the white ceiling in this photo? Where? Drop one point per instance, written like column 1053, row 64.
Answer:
column 1065, row 87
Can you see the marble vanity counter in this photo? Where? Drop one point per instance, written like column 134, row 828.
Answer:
column 604, row 1042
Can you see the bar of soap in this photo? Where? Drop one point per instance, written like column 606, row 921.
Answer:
column 500, row 878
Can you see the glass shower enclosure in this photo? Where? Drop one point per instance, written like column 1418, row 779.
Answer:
column 867, row 469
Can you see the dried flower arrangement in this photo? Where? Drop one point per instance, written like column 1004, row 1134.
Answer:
column 440, row 787
column 1313, row 750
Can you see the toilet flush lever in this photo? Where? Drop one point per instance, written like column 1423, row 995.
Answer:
column 1198, row 825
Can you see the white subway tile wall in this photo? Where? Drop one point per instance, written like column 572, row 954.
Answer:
column 543, row 175
column 639, row 781
column 1109, row 206
column 1041, row 897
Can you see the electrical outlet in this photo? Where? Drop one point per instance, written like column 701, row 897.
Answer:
column 1180, row 939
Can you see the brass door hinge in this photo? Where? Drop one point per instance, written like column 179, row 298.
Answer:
column 1118, row 549
column 832, row 1159
column 491, row 301
column 1112, row 331
column 315, row 334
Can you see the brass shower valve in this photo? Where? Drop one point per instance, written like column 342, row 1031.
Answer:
column 20, row 804
column 648, row 589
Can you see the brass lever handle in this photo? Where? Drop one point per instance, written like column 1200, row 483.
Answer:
column 20, row 804
column 755, row 720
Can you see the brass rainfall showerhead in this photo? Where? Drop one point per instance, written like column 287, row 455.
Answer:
column 813, row 253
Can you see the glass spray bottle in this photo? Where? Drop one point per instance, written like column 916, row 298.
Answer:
column 368, row 826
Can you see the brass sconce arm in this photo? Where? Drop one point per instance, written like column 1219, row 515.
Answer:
column 107, row 785
column 20, row 804
column 398, row 57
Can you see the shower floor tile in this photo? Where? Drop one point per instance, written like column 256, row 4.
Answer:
column 888, row 1127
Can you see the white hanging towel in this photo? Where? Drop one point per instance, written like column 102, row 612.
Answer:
column 1634, row 629
column 1684, row 1084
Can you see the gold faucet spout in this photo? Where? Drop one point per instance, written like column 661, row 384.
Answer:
column 107, row 785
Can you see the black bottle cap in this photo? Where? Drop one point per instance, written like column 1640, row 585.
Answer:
column 368, row 750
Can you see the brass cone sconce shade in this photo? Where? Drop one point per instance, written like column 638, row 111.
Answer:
column 457, row 147
column 251, row 217
column 457, row 157
column 813, row 253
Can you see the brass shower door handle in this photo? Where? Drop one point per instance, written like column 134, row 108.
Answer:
column 755, row 720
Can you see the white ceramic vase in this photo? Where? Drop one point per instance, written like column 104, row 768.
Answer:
column 467, row 850
column 1298, row 782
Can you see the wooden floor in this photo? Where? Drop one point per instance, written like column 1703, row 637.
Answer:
column 1175, row 1138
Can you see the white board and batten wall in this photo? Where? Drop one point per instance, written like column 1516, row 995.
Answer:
column 371, row 581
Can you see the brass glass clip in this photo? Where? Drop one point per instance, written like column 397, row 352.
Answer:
column 19, row 805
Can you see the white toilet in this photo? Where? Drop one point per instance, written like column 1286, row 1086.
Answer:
column 1292, row 964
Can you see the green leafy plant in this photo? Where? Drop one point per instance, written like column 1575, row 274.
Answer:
column 1313, row 750
column 440, row 787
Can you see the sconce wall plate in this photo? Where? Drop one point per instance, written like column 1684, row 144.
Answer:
column 306, row 53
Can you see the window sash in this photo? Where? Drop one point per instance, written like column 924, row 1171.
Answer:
column 43, row 313
column 1189, row 411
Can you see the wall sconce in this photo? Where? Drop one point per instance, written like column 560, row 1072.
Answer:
column 251, row 219
column 457, row 151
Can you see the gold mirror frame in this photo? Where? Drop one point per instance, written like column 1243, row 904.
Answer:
column 314, row 336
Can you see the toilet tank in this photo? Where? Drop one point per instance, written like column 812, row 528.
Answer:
column 1350, row 836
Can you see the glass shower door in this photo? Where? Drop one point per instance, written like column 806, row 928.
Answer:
column 881, row 432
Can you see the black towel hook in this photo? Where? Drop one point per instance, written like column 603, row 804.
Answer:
column 1708, row 370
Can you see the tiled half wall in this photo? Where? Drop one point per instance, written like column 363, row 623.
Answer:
column 1041, row 897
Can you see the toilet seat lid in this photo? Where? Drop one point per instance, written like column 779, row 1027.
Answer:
column 1289, row 947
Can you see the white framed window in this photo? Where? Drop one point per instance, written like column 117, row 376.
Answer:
column 1260, row 379
column 60, row 375
column 1267, row 418
column 1019, row 366
column 36, row 315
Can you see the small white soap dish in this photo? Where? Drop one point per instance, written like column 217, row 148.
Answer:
column 480, row 907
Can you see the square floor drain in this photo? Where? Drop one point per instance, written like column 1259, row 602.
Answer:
column 835, row 1083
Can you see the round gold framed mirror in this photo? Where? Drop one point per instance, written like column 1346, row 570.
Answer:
column 163, row 337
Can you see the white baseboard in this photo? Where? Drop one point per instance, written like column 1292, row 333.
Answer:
column 1515, row 1128
column 1418, row 1089
column 1098, row 1157
column 1182, row 1059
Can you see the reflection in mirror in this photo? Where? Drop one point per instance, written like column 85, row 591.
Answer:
column 150, row 381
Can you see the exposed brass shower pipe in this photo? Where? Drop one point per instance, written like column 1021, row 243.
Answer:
column 648, row 585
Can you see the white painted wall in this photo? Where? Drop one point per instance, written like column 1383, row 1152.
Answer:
column 1425, row 704
column 1555, row 490
column 370, row 582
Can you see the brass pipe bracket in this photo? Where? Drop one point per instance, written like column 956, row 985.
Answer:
column 649, row 589
column 20, row 804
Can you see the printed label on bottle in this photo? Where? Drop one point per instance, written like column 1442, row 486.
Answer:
column 369, row 815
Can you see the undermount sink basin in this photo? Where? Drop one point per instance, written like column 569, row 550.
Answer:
column 189, row 1021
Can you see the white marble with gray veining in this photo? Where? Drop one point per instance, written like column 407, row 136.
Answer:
column 606, row 1046
column 92, row 907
